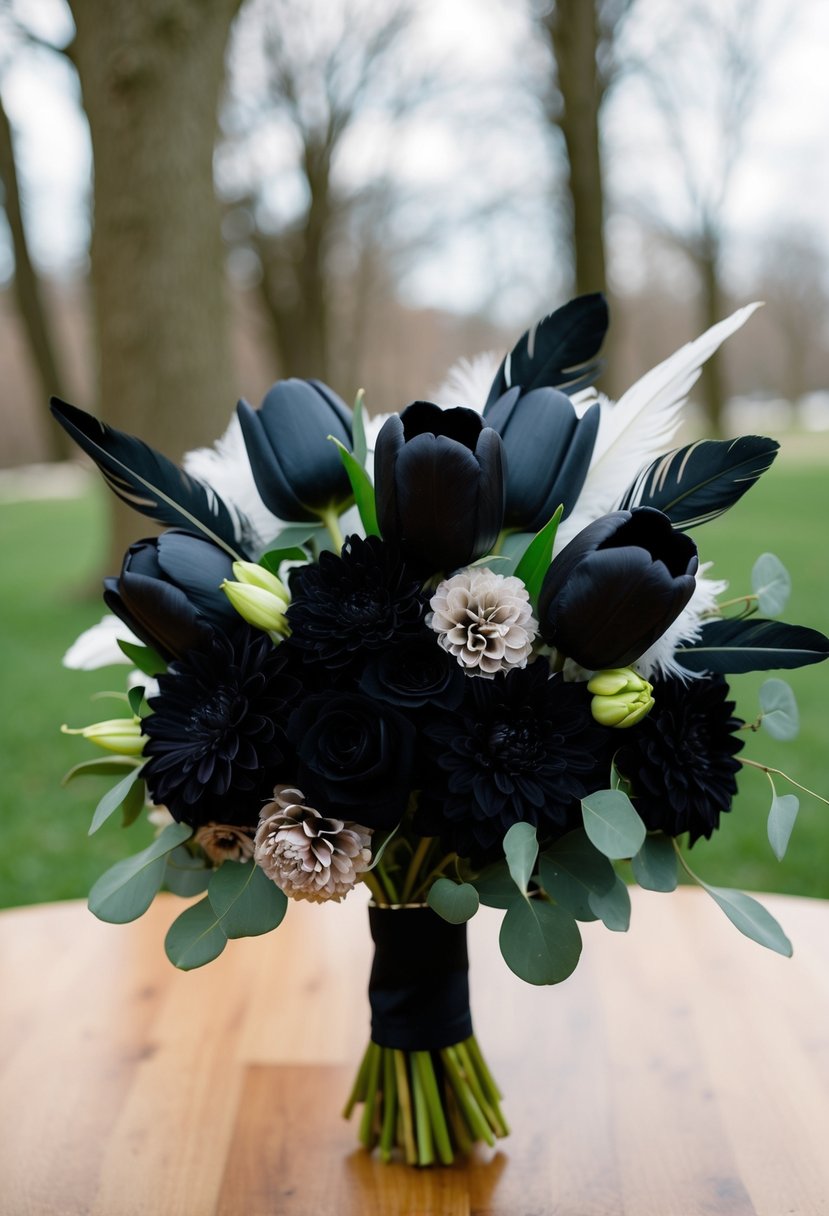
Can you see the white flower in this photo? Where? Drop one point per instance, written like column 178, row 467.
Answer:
column 484, row 620
column 98, row 646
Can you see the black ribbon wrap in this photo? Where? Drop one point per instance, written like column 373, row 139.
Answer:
column 419, row 983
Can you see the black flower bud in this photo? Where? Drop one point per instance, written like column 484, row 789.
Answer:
column 615, row 589
column 297, row 469
column 439, row 477
column 169, row 592
column 548, row 449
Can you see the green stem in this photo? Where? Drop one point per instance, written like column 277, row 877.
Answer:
column 389, row 1104
column 471, row 1110
column 358, row 1091
column 332, row 522
column 418, row 858
column 404, row 1097
column 491, row 1113
column 367, row 1136
column 422, row 1061
column 387, row 884
column 764, row 768
column 477, row 1057
column 432, row 875
column 425, row 1152
column 376, row 890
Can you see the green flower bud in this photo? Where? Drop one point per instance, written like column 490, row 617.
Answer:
column 621, row 698
column 257, row 576
column 260, row 607
column 120, row 735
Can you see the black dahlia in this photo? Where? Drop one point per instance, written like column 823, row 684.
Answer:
column 680, row 758
column 362, row 600
column 521, row 747
column 216, row 741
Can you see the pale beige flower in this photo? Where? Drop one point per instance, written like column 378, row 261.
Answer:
column 306, row 854
column 224, row 842
column 484, row 619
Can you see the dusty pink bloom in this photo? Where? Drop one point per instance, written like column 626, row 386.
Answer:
column 484, row 620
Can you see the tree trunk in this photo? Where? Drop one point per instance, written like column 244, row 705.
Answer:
column 711, row 311
column 151, row 75
column 27, row 290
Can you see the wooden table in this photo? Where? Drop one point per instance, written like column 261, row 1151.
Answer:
column 681, row 1070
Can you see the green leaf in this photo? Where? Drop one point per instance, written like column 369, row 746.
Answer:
column 613, row 907
column 195, row 938
column 513, row 546
column 126, row 890
column 780, row 716
column 540, row 942
column 245, row 900
column 521, row 850
column 655, row 865
column 109, row 766
column 771, row 583
column 273, row 559
column 571, row 870
column 295, row 535
column 362, row 487
column 185, row 874
column 358, row 430
column 112, row 799
column 379, row 854
column 455, row 902
column 751, row 918
column 612, row 824
column 782, row 816
column 495, row 886
column 537, row 557
column 144, row 657
column 135, row 697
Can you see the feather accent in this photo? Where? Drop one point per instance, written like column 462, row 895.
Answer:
column 226, row 468
column 147, row 481
column 695, row 484
column 468, row 382
column 641, row 425
column 660, row 659
column 559, row 351
column 98, row 645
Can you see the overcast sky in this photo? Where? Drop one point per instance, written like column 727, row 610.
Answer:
column 781, row 185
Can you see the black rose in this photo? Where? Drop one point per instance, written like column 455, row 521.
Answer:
column 413, row 674
column 355, row 757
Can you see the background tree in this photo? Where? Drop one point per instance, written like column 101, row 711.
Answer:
column 151, row 77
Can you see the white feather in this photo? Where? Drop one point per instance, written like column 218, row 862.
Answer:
column 225, row 468
column 98, row 646
column 659, row 659
column 468, row 382
column 642, row 424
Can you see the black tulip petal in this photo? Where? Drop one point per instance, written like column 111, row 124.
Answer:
column 437, row 497
column 198, row 568
column 273, row 486
column 571, row 474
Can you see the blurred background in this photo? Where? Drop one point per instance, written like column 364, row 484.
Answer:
column 200, row 198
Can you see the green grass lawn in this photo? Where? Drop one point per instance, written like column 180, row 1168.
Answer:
column 51, row 554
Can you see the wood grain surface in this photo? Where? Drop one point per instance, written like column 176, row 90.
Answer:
column 682, row 1070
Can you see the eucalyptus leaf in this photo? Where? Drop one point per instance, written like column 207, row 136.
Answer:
column 782, row 816
column 571, row 869
column 195, row 937
column 521, row 850
column 185, row 874
column 112, row 799
column 612, row 824
column 495, row 886
column 540, row 942
column 245, row 900
column 133, row 804
column 535, row 561
column 771, row 583
column 655, row 865
column 780, row 715
column 362, row 487
column 613, row 907
column 126, row 890
column 143, row 657
column 454, row 902
column 294, row 535
column 751, row 918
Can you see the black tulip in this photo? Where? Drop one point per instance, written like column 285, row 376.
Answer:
column 615, row 589
column 548, row 450
column 169, row 593
column 439, row 480
column 297, row 469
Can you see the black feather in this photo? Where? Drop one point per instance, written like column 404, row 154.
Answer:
column 149, row 482
column 559, row 352
column 735, row 646
column 698, row 482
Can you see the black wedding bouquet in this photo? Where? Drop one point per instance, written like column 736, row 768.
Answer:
column 462, row 655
